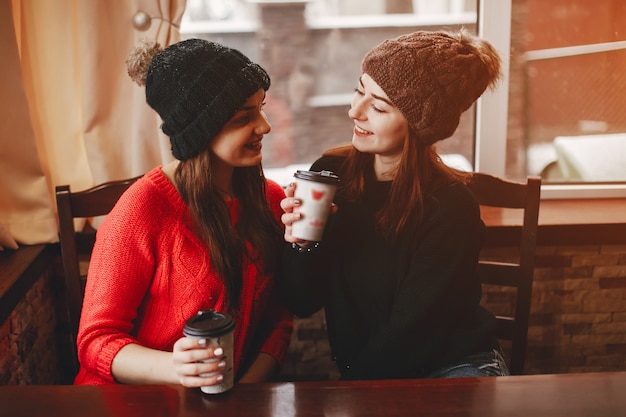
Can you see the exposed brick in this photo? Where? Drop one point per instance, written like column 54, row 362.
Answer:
column 4, row 331
column 578, row 272
column 541, row 336
column 28, row 341
column 604, row 301
column 585, row 318
column 559, row 273
column 609, row 328
column 577, row 328
column 569, row 350
column 553, row 261
column 608, row 283
column 619, row 349
column 313, row 355
column 543, row 319
column 593, row 259
column 554, row 287
column 311, row 333
column 578, row 249
column 545, row 352
column 617, row 271
column 598, row 340
column 561, row 301
column 619, row 249
column 547, row 274
column 567, row 362
column 619, row 316
column 545, row 250
column 607, row 361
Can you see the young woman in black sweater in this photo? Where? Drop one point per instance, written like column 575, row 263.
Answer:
column 396, row 268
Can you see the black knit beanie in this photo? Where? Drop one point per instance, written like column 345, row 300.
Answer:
column 196, row 86
column 433, row 77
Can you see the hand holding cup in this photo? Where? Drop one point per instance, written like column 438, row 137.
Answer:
column 215, row 331
column 314, row 193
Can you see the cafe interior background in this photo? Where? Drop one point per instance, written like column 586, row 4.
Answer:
column 70, row 115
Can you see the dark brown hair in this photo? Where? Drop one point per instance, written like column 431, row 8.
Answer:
column 419, row 173
column 210, row 213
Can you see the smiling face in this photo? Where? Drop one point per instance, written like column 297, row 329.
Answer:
column 379, row 127
column 238, row 144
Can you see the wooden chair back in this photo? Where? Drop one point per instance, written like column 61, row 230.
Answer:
column 76, row 246
column 491, row 191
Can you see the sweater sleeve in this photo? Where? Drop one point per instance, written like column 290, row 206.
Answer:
column 439, row 286
column 120, row 272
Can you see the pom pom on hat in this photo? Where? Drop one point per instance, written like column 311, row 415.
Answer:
column 139, row 60
column 433, row 77
column 196, row 86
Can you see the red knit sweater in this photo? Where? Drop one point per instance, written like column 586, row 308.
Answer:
column 149, row 273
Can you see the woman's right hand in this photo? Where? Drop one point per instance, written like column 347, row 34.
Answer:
column 188, row 356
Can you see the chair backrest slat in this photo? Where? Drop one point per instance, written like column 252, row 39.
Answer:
column 93, row 202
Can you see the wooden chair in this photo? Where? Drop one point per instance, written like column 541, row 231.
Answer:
column 76, row 246
column 491, row 191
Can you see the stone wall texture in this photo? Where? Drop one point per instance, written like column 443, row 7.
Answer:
column 29, row 352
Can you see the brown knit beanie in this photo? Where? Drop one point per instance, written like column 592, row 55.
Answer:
column 196, row 86
column 433, row 77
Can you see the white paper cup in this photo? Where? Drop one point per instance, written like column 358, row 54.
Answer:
column 217, row 329
column 316, row 191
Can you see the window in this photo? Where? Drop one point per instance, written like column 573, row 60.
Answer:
column 312, row 50
column 571, row 106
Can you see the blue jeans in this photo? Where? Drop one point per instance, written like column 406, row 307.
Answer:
column 481, row 364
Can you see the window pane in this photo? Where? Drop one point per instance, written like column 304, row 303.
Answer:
column 572, row 89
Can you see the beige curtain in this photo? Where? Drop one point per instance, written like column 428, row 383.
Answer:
column 81, row 120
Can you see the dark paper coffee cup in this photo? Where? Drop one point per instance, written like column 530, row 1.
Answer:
column 217, row 328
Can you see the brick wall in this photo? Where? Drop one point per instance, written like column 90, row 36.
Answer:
column 28, row 338
column 309, row 353
column 578, row 315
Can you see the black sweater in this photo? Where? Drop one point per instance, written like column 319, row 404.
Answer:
column 394, row 310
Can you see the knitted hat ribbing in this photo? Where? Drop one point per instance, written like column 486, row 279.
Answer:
column 196, row 86
column 433, row 77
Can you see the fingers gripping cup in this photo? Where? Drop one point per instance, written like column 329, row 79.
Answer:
column 217, row 328
column 316, row 191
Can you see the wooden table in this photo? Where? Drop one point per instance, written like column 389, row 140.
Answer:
column 571, row 395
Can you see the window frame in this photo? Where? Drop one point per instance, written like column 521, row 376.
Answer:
column 494, row 24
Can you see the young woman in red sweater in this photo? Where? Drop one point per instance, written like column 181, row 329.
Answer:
column 200, row 233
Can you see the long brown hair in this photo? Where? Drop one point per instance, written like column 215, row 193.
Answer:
column 419, row 173
column 211, row 216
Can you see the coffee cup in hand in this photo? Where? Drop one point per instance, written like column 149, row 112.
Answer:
column 217, row 328
column 316, row 191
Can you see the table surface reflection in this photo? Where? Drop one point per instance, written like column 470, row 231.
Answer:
column 571, row 395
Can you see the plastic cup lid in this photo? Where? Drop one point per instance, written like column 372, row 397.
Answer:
column 327, row 177
column 209, row 323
